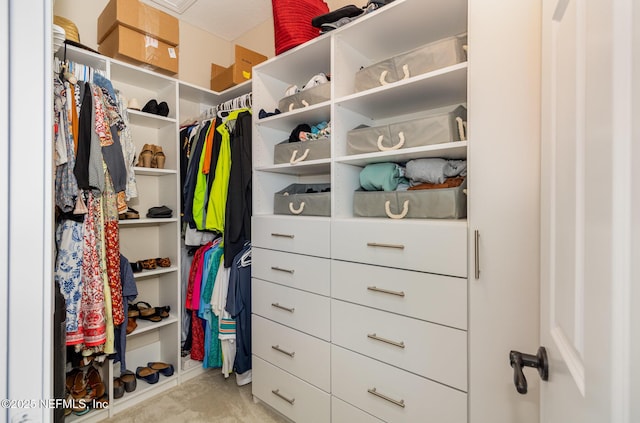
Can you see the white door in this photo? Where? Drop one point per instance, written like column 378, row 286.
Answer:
column 585, row 210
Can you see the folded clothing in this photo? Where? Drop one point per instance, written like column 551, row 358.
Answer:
column 348, row 11
column 434, row 170
column 448, row 183
column 159, row 212
column 382, row 177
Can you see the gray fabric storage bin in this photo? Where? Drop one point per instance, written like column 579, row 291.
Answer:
column 296, row 152
column 439, row 126
column 439, row 54
column 306, row 98
column 443, row 203
column 294, row 200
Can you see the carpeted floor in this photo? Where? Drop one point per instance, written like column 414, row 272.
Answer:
column 208, row 398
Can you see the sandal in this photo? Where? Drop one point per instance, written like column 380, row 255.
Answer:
column 163, row 311
column 129, row 214
column 147, row 374
column 96, row 386
column 147, row 312
column 146, row 156
column 118, row 388
column 163, row 262
column 131, row 325
column 148, row 264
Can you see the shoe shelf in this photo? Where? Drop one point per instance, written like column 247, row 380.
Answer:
column 147, row 326
column 147, row 221
column 286, row 121
column 155, row 272
column 150, row 171
column 149, row 120
column 143, row 392
column 95, row 415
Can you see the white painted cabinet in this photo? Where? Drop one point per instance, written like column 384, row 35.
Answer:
column 423, row 312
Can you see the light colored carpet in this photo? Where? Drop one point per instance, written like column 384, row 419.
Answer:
column 204, row 399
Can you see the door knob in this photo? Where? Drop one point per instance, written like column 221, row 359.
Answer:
column 519, row 360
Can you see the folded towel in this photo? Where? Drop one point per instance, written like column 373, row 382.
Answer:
column 434, row 171
column 382, row 177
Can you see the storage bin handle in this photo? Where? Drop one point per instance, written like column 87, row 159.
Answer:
column 299, row 159
column 305, row 103
column 298, row 210
column 461, row 129
column 383, row 75
column 394, row 147
column 405, row 210
column 291, row 106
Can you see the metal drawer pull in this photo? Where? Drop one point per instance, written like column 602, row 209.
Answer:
column 276, row 305
column 277, row 348
column 476, row 239
column 277, row 393
column 386, row 341
column 386, row 291
column 282, row 235
column 280, row 269
column 386, row 398
column 376, row 244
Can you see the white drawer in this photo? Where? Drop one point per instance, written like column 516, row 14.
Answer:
column 296, row 399
column 432, row 246
column 433, row 351
column 391, row 394
column 341, row 412
column 303, row 272
column 302, row 355
column 308, row 235
column 291, row 307
column 435, row 298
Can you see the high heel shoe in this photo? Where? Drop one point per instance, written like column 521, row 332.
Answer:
column 158, row 157
column 146, row 156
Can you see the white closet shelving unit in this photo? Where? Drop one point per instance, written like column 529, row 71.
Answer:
column 347, row 309
column 147, row 237
column 421, row 313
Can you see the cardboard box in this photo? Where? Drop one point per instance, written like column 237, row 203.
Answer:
column 132, row 46
column 142, row 18
column 245, row 59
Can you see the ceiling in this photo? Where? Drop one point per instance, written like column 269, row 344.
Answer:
column 227, row 19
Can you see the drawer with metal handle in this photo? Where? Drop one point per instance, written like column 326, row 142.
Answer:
column 308, row 236
column 302, row 355
column 434, row 246
column 298, row 271
column 392, row 394
column 296, row 309
column 289, row 395
column 434, row 298
column 434, row 351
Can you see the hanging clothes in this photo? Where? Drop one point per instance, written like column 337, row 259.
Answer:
column 239, row 307
column 239, row 207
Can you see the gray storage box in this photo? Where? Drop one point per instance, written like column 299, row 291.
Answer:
column 295, row 200
column 443, row 203
column 427, row 58
column 306, row 98
column 296, row 152
column 441, row 125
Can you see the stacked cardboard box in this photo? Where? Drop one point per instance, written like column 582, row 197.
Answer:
column 245, row 59
column 135, row 32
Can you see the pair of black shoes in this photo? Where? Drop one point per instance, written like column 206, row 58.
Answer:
column 153, row 107
column 160, row 212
